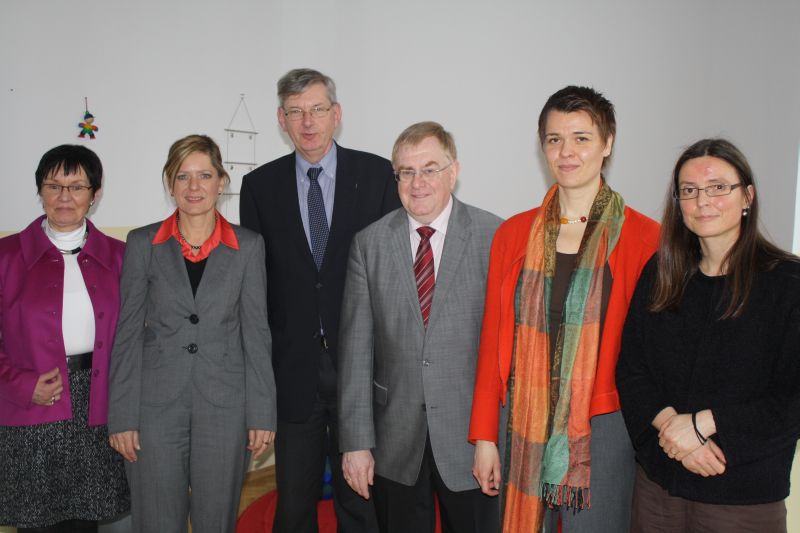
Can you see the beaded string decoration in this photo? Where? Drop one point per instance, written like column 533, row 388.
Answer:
column 565, row 220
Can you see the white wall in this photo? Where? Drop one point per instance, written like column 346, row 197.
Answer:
column 157, row 70
column 154, row 71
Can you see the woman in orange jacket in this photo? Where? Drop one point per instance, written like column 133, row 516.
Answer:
column 561, row 277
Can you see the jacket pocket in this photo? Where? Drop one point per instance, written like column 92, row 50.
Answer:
column 234, row 361
column 380, row 394
column 151, row 355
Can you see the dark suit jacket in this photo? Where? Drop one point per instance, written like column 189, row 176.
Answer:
column 298, row 296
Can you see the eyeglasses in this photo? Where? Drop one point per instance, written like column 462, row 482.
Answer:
column 407, row 174
column 318, row 111
column 720, row 189
column 54, row 189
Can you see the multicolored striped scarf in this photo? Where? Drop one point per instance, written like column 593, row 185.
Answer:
column 549, row 430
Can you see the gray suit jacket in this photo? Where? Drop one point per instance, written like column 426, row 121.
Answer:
column 398, row 380
column 166, row 336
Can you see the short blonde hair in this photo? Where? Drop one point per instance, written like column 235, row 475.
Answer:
column 416, row 133
column 183, row 148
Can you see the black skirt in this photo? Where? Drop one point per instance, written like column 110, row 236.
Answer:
column 61, row 470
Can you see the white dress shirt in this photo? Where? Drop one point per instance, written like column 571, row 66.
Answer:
column 437, row 239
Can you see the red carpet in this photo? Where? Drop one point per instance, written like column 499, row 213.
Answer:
column 258, row 517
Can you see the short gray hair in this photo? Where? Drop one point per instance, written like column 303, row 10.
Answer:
column 298, row 80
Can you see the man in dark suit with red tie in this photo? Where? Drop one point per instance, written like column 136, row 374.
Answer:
column 308, row 205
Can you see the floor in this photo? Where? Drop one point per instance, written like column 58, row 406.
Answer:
column 256, row 484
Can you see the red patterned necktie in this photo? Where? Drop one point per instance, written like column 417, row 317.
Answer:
column 423, row 272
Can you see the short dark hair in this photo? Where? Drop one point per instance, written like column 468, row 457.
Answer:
column 573, row 98
column 70, row 158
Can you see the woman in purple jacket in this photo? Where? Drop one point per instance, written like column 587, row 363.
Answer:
column 59, row 301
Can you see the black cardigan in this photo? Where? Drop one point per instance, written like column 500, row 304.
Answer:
column 746, row 370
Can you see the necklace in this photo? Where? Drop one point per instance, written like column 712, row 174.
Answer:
column 192, row 246
column 70, row 252
column 565, row 220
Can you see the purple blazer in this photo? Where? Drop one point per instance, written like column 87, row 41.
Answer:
column 31, row 341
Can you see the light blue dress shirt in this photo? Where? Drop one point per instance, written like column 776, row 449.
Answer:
column 327, row 182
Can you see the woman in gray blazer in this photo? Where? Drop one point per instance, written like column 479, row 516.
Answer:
column 191, row 385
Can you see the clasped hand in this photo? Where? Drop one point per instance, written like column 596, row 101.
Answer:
column 677, row 437
column 679, row 440
column 48, row 388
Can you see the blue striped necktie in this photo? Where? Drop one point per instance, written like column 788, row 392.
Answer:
column 317, row 220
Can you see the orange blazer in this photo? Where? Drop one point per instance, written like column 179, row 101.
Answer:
column 638, row 241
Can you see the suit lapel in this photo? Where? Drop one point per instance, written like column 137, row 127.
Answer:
column 344, row 204
column 455, row 245
column 400, row 250
column 216, row 274
column 168, row 254
column 287, row 188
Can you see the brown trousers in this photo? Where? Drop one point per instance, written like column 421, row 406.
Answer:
column 655, row 511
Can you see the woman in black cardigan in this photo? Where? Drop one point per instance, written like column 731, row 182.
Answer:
column 709, row 371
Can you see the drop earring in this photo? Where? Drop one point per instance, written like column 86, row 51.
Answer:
column 745, row 211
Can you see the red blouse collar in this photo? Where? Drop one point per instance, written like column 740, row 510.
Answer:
column 223, row 233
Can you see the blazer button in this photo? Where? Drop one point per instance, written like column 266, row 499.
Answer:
column 425, row 362
column 424, row 407
column 192, row 348
column 101, row 314
column 99, row 344
column 194, row 319
column 318, row 285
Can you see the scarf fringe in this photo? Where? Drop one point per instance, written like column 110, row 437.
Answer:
column 576, row 498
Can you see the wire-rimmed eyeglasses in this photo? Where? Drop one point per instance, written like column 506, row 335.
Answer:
column 406, row 175
column 54, row 189
column 689, row 192
column 295, row 113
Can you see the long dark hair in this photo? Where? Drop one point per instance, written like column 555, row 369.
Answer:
column 679, row 253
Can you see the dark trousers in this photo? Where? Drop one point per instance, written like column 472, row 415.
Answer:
column 655, row 511
column 67, row 526
column 403, row 509
column 300, row 451
column 613, row 466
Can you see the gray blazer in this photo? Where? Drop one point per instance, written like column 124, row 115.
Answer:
column 166, row 336
column 398, row 380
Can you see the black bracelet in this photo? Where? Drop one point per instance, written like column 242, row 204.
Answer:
column 700, row 436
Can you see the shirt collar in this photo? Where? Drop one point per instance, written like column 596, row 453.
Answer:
column 328, row 164
column 223, row 233
column 439, row 223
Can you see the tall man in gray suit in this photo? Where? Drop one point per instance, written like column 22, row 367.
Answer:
column 411, row 320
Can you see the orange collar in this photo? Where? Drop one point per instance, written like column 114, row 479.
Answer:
column 223, row 233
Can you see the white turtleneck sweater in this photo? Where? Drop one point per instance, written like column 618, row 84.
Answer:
column 77, row 322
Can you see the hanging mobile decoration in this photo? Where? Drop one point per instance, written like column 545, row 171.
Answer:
column 240, row 147
column 87, row 127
